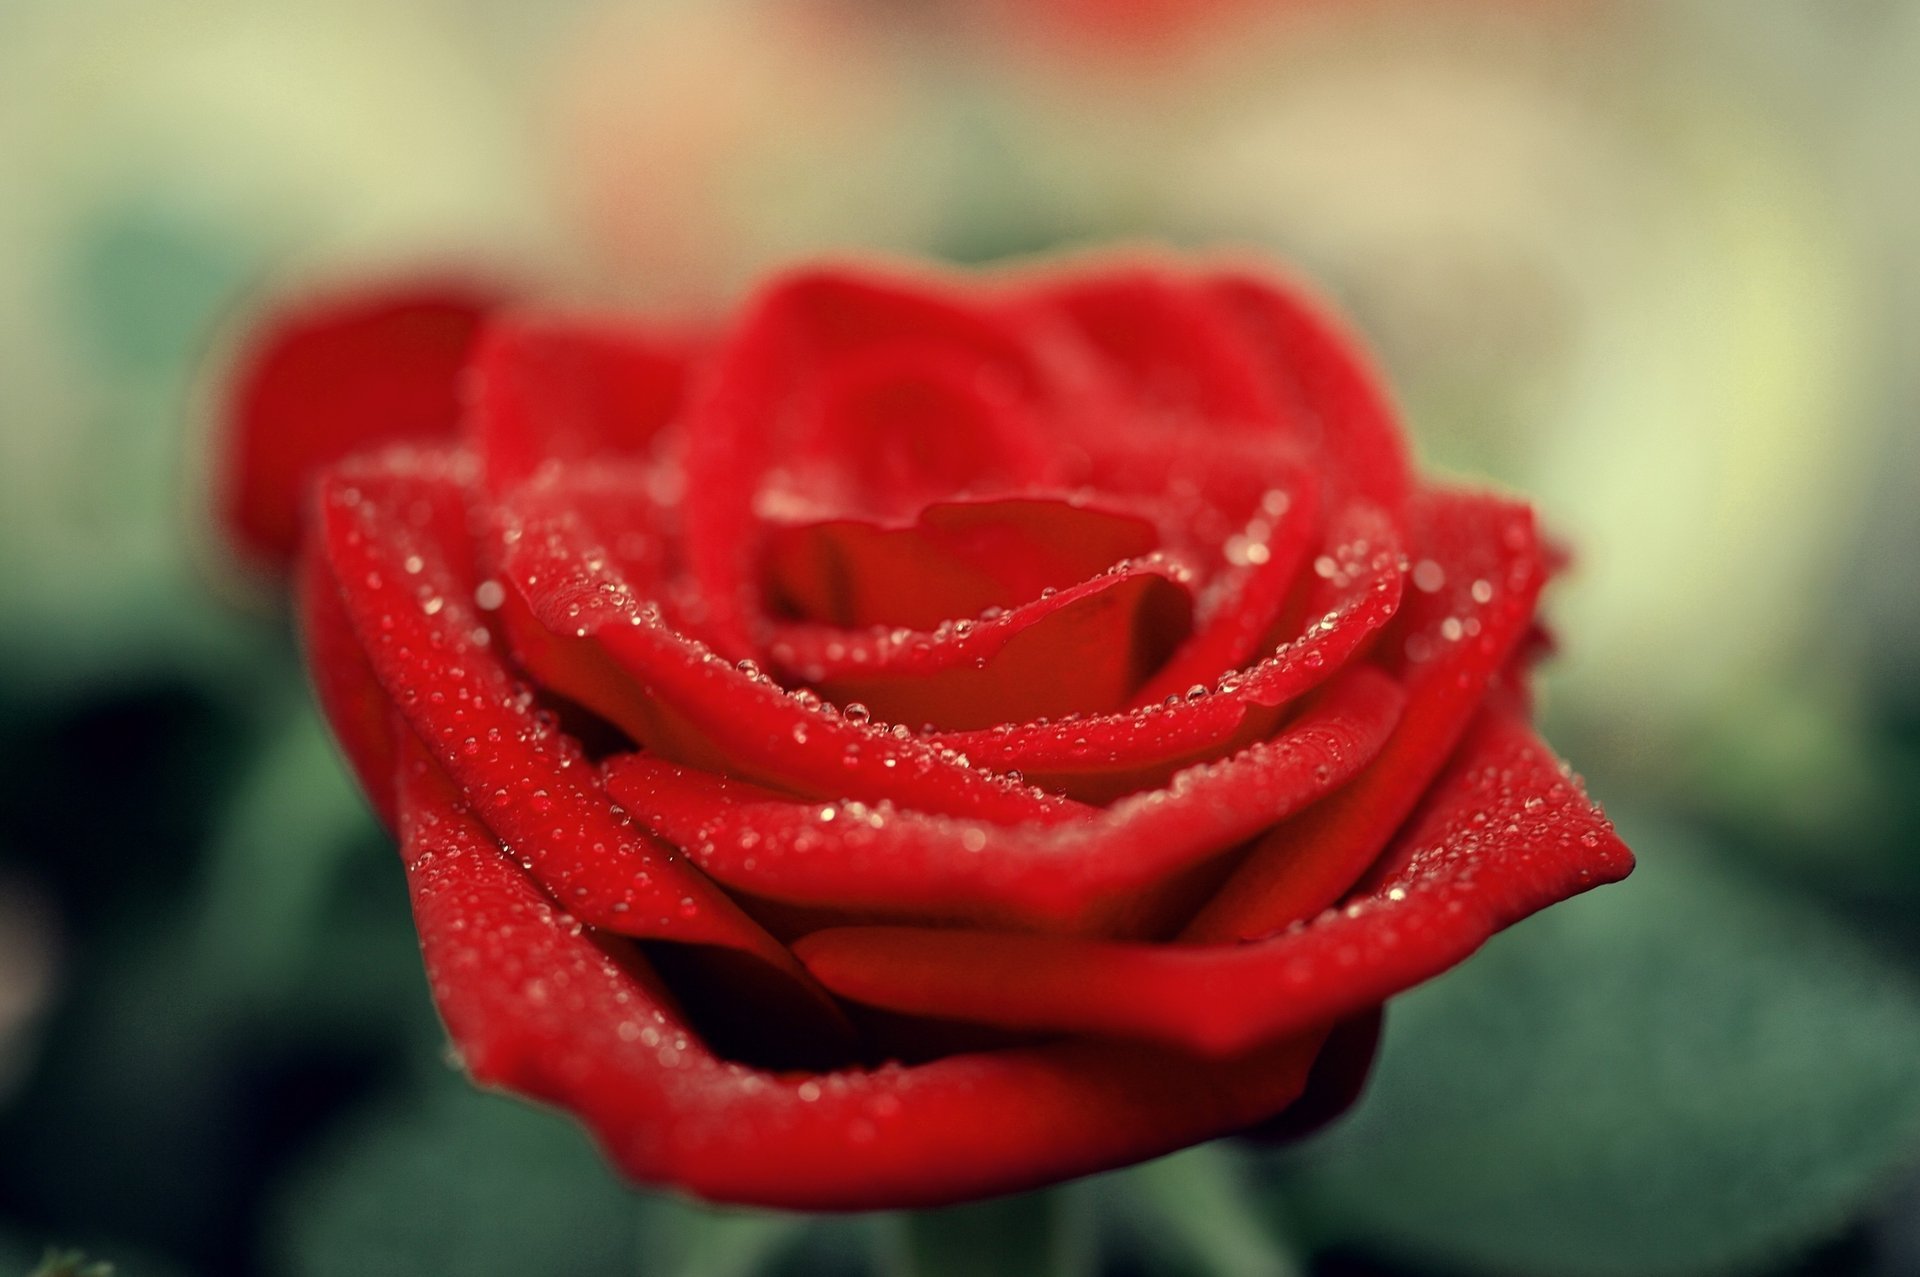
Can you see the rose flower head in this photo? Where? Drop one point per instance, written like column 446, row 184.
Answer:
column 919, row 737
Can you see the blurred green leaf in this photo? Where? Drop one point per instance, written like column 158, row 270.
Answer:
column 1801, row 777
column 459, row 1183
column 173, row 1051
column 1680, row 1074
column 75, row 634
column 297, row 817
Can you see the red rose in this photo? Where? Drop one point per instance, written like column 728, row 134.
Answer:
column 925, row 738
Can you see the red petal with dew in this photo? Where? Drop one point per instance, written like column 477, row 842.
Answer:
column 1094, row 874
column 956, row 559
column 332, row 377
column 1101, row 756
column 1476, row 579
column 1167, row 350
column 794, row 335
column 535, row 1005
column 1087, row 648
column 1505, row 832
column 1322, row 375
column 564, row 389
column 395, row 540
column 607, row 648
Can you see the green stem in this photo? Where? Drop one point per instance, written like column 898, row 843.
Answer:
column 1196, row 1206
column 1046, row 1234
column 681, row 1239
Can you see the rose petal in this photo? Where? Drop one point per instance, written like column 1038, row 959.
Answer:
column 1198, row 496
column 1085, row 876
column 1165, row 346
column 357, row 708
column 1335, row 1085
column 1324, row 379
column 1505, row 833
column 1082, row 649
column 794, row 333
column 1475, row 581
column 560, row 390
column 1243, row 608
column 885, row 430
column 394, row 537
column 1099, row 757
column 329, row 378
column 956, row 559
column 537, row 1007
column 608, row 649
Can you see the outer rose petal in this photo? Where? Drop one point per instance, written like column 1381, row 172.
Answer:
column 1094, row 874
column 358, row 709
column 539, row 1007
column 334, row 377
column 1504, row 833
column 392, row 540
column 1339, row 1076
column 1475, row 585
column 569, row 389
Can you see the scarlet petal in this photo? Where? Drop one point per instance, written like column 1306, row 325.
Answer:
column 1165, row 344
column 1089, row 875
column 356, row 706
column 395, row 543
column 1504, row 834
column 888, row 429
column 1339, row 1077
column 538, row 1007
column 334, row 377
column 956, row 559
column 1101, row 756
column 1245, row 607
column 608, row 649
column 1477, row 576
column 1322, row 375
column 1085, row 649
column 798, row 331
column 567, row 389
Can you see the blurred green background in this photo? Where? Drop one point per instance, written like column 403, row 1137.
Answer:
column 1656, row 263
